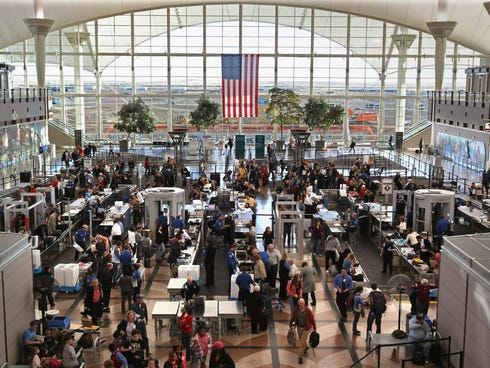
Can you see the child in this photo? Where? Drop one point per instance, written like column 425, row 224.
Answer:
column 36, row 361
column 181, row 357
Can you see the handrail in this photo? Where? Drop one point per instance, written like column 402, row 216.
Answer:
column 409, row 133
column 378, row 347
column 58, row 124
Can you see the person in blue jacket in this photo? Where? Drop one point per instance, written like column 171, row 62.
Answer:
column 231, row 263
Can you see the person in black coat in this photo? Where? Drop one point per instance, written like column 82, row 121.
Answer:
column 141, row 310
column 255, row 309
column 135, row 322
column 209, row 254
column 105, row 277
column 43, row 283
column 93, row 301
column 284, row 268
column 219, row 358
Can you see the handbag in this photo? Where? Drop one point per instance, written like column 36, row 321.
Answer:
column 291, row 336
column 363, row 312
column 135, row 282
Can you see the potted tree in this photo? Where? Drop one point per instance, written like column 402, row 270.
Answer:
column 334, row 116
column 284, row 108
column 206, row 114
column 315, row 114
column 134, row 117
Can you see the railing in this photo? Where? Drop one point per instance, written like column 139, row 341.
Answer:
column 58, row 124
column 397, row 345
column 22, row 94
column 448, row 356
column 416, row 129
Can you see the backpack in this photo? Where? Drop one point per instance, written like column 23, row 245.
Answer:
column 349, row 302
column 86, row 341
column 291, row 336
column 54, row 363
column 314, row 339
column 418, row 357
column 115, row 361
column 379, row 302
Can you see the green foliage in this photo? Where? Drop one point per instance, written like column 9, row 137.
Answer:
column 335, row 115
column 315, row 112
column 135, row 117
column 206, row 113
column 284, row 107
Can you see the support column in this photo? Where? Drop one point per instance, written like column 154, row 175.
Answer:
column 402, row 43
column 77, row 41
column 382, row 78
column 346, row 129
column 440, row 30
column 39, row 27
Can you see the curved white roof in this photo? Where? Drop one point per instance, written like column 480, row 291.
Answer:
column 472, row 30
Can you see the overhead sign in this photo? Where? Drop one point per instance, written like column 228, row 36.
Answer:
column 387, row 186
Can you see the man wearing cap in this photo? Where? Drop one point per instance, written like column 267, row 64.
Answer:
column 141, row 310
column 274, row 259
column 418, row 331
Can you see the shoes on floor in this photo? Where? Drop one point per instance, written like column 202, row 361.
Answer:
column 107, row 310
column 300, row 360
column 84, row 313
column 344, row 319
column 313, row 304
column 357, row 333
column 383, row 271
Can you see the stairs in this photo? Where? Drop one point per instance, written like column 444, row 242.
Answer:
column 60, row 134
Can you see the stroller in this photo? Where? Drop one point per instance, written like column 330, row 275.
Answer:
column 271, row 298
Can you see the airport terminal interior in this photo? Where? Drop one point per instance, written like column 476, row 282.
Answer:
column 216, row 184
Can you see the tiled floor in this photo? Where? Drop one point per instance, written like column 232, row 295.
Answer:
column 338, row 347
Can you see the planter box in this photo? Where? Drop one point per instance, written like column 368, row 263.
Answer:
column 319, row 145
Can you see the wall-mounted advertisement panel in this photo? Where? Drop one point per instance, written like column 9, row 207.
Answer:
column 464, row 151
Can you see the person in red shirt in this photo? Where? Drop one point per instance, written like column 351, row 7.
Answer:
column 302, row 317
column 185, row 323
column 93, row 301
column 423, row 299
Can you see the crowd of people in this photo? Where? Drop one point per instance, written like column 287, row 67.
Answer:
column 117, row 259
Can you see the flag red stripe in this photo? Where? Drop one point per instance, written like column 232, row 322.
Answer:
column 240, row 96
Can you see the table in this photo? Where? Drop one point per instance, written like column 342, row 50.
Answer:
column 327, row 216
column 211, row 314
column 228, row 309
column 174, row 286
column 374, row 339
column 478, row 219
column 337, row 229
column 164, row 310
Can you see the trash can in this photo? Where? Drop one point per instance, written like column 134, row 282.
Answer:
column 25, row 177
column 123, row 145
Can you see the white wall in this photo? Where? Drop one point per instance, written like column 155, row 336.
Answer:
column 463, row 309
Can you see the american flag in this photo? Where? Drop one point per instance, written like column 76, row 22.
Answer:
column 240, row 83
